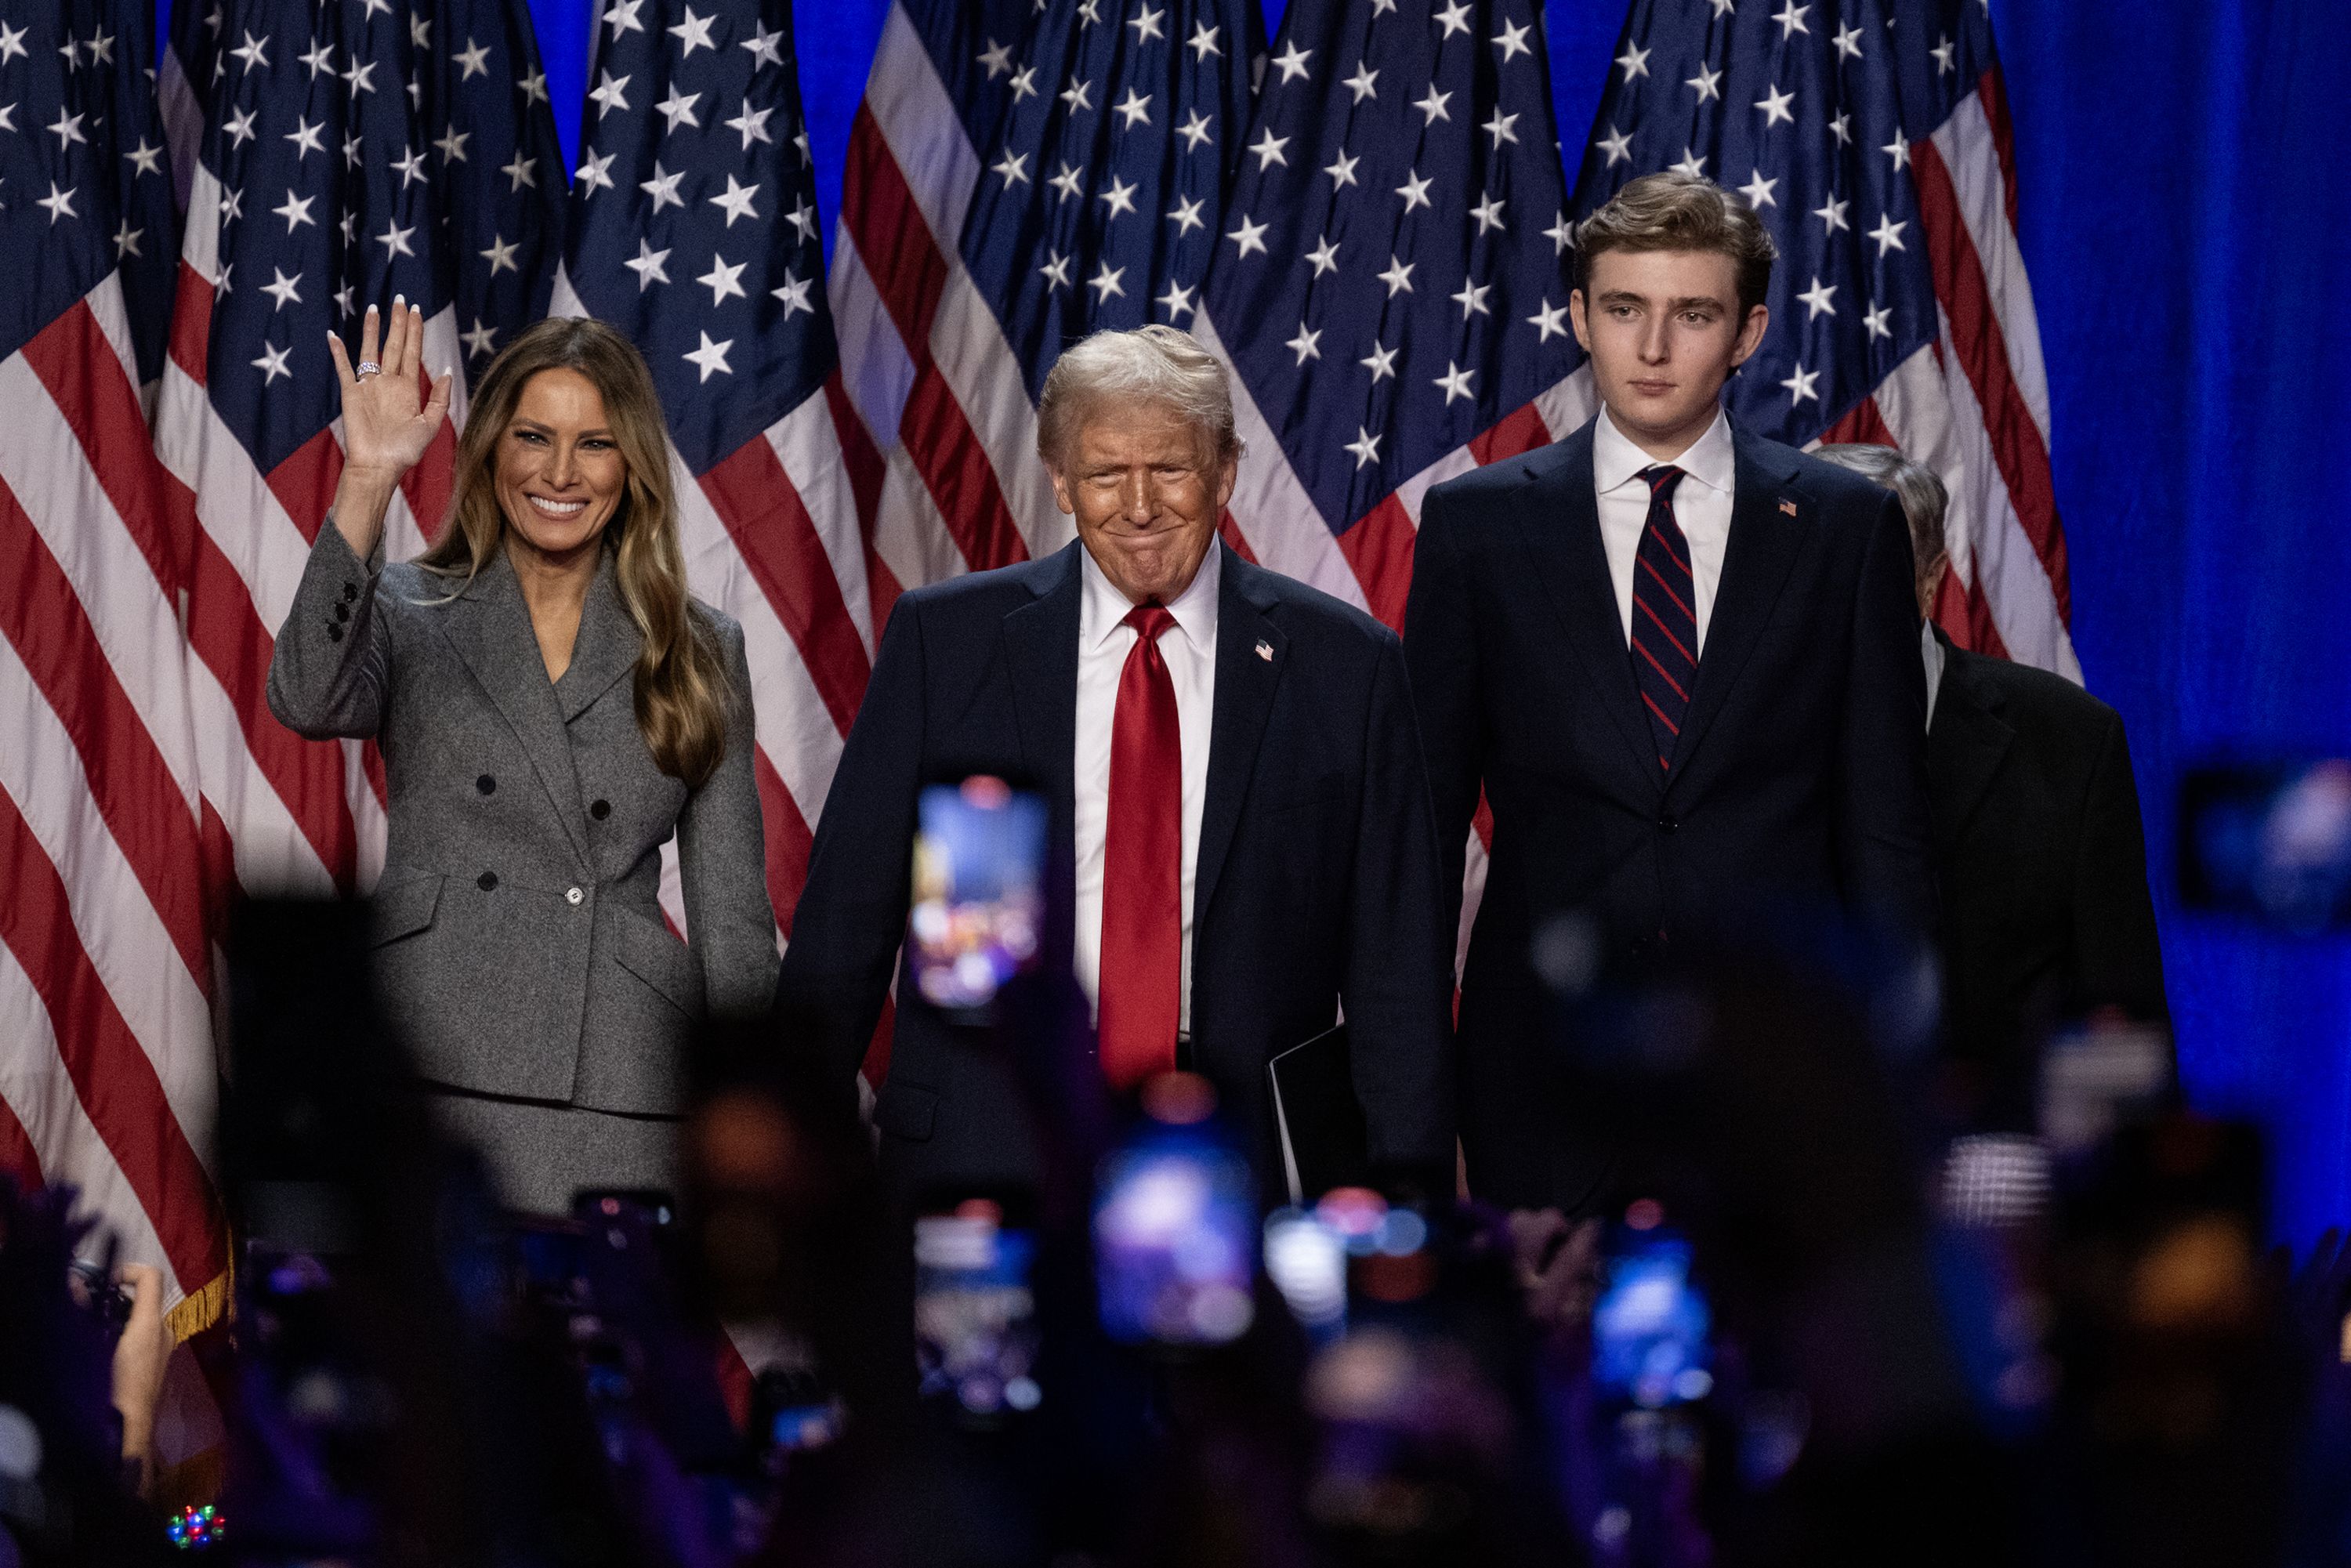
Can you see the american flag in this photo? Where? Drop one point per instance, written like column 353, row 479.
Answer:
column 106, row 1070
column 1019, row 174
column 694, row 228
column 1872, row 137
column 352, row 151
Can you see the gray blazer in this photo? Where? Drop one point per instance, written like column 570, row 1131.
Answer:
column 519, row 943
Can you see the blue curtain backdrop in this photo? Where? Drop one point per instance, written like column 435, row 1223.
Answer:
column 2186, row 218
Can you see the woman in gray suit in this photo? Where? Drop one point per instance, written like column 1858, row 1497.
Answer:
column 551, row 705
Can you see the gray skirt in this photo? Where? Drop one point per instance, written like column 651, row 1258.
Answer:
column 539, row 1154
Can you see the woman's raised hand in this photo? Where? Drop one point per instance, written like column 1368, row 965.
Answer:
column 384, row 429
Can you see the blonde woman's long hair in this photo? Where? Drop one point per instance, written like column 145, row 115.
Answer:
column 680, row 683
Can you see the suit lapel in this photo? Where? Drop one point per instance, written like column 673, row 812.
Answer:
column 490, row 628
column 1560, row 523
column 1965, row 746
column 605, row 648
column 1040, row 649
column 1246, row 681
column 1765, row 540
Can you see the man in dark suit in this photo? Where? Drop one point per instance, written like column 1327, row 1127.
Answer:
column 1234, row 788
column 1680, row 661
column 2038, row 850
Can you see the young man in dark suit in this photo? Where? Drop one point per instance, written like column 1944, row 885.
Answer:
column 2038, row 848
column 1680, row 661
column 1235, row 789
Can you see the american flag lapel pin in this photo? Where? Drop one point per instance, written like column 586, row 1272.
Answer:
column 1789, row 508
column 1264, row 651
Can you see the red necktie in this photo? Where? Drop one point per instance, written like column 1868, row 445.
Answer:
column 1142, row 865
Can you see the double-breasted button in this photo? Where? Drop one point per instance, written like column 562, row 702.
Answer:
column 1667, row 822
column 350, row 591
column 573, row 896
column 342, row 612
column 487, row 881
column 600, row 809
column 334, row 633
column 486, row 785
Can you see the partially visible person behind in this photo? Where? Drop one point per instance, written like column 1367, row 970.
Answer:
column 2038, row 848
column 552, row 706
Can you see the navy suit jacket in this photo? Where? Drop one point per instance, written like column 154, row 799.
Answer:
column 1800, row 770
column 1316, row 881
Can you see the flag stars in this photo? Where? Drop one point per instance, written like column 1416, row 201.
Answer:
column 678, row 110
column 1342, row 173
column 1380, row 362
column 1176, row 302
column 1431, row 105
column 1691, row 164
column 1268, row 151
column 359, row 77
column 283, row 289
column 710, row 357
column 737, row 202
column 317, row 56
column 1364, row 83
column 1549, row 320
column 1187, row 216
column 126, row 241
column 1790, row 17
column 1454, row 382
column 1203, row 42
column 723, row 280
column 1024, row 84
column 1105, row 283
column 534, row 88
column 1758, row 191
column 609, row 95
column 1888, row 236
column 803, row 217
column 1847, row 40
column 296, row 210
column 1820, row 299
column 1499, row 128
column 1056, row 271
column 1800, row 387
column 1012, row 168
column 453, row 145
column 1194, row 131
column 501, row 255
column 1119, row 198
column 1513, row 41
column 1291, row 62
column 753, row 125
column 1945, row 53
column 996, row 59
column 794, row 295
column 1415, row 189
column 621, row 16
column 1249, row 236
column 1634, row 62
column 1875, row 322
column 272, row 363
column 694, row 33
column 1562, row 234
column 1774, row 105
column 1708, row 84
column 411, row 167
column 58, row 203
column 766, row 49
column 1135, row 110
column 1069, row 182
column 596, row 171
column 1365, row 447
column 1147, row 26
column 649, row 265
column 663, row 187
column 420, row 32
column 1617, row 147
column 482, row 340
column 1454, row 18
column 149, row 160
column 1323, row 257
column 1472, row 299
column 473, row 60
column 1832, row 217
column 1841, row 128
column 1306, row 345
column 12, row 40
column 1488, row 214
column 252, row 52
column 1398, row 276
column 1078, row 95
column 239, row 127
column 306, row 138
column 1898, row 150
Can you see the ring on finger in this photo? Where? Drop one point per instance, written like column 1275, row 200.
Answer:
column 367, row 367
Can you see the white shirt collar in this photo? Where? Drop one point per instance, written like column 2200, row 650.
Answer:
column 1713, row 460
column 1103, row 608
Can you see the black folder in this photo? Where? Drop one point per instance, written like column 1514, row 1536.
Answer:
column 1324, row 1141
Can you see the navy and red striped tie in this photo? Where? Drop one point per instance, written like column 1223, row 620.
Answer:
column 1665, row 621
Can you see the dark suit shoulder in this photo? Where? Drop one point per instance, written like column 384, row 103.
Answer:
column 1838, row 488
column 1460, row 496
column 985, row 595
column 1306, row 610
column 2048, row 710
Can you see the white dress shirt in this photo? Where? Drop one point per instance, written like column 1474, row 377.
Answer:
column 1189, row 651
column 1701, row 510
column 1934, row 651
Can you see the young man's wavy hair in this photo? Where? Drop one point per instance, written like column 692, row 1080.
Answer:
column 680, row 683
column 1674, row 211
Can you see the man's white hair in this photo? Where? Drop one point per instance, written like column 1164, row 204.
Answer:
column 1150, row 364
